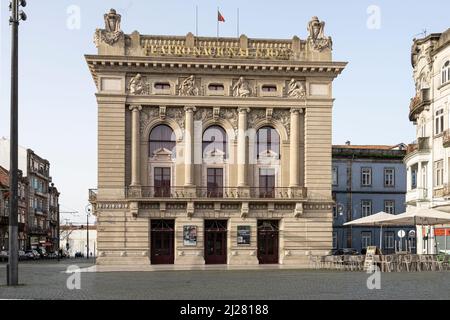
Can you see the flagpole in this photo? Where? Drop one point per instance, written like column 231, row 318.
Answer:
column 196, row 21
column 238, row 22
column 217, row 23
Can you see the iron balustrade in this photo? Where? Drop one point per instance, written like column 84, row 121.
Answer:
column 215, row 192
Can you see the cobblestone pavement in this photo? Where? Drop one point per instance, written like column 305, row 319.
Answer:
column 47, row 280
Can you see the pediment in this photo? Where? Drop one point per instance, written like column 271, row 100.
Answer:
column 162, row 154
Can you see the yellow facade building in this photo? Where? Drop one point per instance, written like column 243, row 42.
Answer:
column 213, row 150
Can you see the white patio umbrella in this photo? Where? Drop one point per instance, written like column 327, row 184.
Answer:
column 377, row 220
column 420, row 216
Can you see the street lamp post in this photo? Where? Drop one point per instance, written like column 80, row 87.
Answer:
column 13, row 261
column 88, row 212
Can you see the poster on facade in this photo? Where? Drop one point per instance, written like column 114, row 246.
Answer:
column 243, row 235
column 190, row 235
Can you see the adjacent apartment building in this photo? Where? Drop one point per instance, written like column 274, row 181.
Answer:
column 427, row 160
column 4, row 210
column 213, row 150
column 38, row 199
column 368, row 180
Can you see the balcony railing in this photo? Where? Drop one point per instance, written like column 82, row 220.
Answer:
column 215, row 193
column 420, row 145
column 37, row 230
column 446, row 139
column 418, row 103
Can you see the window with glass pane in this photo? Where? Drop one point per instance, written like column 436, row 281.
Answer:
column 334, row 240
column 214, row 139
column 389, row 177
column 439, row 173
column 439, row 121
column 162, row 182
column 389, row 206
column 366, row 208
column 335, row 176
column 215, row 182
column 366, row 177
column 267, row 183
column 445, row 73
column 389, row 240
column 414, row 178
column 267, row 139
column 162, row 137
column 366, row 239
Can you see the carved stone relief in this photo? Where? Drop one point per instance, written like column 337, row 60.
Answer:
column 316, row 38
column 112, row 32
column 284, row 117
column 138, row 85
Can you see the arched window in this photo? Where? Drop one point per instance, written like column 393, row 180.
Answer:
column 267, row 140
column 445, row 73
column 215, row 139
column 162, row 137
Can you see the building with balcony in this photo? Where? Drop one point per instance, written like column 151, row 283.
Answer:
column 213, row 150
column 427, row 159
column 4, row 209
column 368, row 180
column 39, row 217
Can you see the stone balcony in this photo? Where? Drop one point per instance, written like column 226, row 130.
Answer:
column 421, row 145
column 446, row 139
column 146, row 193
column 443, row 192
column 418, row 104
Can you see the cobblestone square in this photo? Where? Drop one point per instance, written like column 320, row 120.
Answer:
column 47, row 280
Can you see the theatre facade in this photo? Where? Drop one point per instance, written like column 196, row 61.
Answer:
column 213, row 150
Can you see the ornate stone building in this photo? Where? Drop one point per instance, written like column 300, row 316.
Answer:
column 213, row 150
column 427, row 160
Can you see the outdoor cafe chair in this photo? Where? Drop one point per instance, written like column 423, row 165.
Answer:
column 437, row 263
column 424, row 263
column 388, row 263
column 407, row 262
column 415, row 262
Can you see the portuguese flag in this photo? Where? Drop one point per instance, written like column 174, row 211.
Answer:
column 220, row 17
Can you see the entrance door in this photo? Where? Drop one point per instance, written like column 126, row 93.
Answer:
column 215, row 242
column 162, row 241
column 268, row 242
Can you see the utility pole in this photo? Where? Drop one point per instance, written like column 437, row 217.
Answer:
column 88, row 212
column 13, row 260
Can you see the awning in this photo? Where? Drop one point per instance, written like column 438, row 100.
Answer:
column 376, row 220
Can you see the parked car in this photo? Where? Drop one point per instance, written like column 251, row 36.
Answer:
column 22, row 255
column 346, row 252
column 32, row 255
column 3, row 256
column 42, row 252
column 52, row 255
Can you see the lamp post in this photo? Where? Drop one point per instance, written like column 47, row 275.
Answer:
column 13, row 261
column 88, row 212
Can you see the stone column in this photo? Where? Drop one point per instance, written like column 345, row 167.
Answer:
column 294, row 164
column 242, row 148
column 135, row 146
column 189, row 147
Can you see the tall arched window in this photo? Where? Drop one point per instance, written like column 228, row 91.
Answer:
column 267, row 140
column 162, row 137
column 445, row 73
column 214, row 139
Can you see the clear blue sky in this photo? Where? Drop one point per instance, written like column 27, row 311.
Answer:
column 57, row 102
